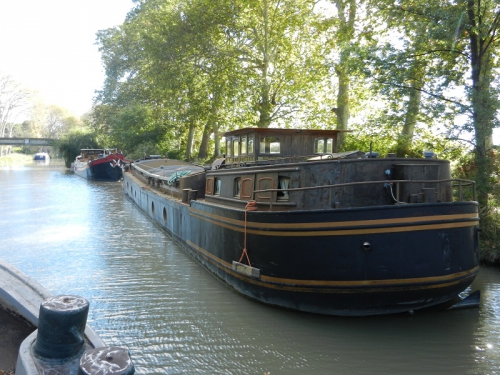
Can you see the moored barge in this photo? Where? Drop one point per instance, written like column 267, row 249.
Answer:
column 99, row 164
column 286, row 220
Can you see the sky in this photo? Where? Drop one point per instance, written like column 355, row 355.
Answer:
column 48, row 46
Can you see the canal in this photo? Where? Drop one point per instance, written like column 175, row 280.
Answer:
column 84, row 238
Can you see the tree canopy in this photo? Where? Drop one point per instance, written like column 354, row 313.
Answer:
column 403, row 75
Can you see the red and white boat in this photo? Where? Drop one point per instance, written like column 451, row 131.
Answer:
column 99, row 164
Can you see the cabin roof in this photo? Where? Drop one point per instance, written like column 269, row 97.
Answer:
column 264, row 131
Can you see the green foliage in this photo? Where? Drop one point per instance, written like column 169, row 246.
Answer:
column 70, row 145
column 466, row 167
column 180, row 73
column 490, row 236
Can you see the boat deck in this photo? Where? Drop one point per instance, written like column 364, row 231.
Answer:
column 13, row 330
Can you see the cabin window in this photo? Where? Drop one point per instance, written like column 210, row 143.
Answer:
column 269, row 145
column 246, row 188
column 284, row 184
column 237, row 187
column 236, row 147
column 329, row 145
column 244, row 145
column 323, row 145
column 218, row 185
column 228, row 147
column 250, row 145
column 209, row 188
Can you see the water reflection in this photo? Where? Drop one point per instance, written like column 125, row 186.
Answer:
column 81, row 237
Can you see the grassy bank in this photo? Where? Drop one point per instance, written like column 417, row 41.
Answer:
column 15, row 160
column 23, row 160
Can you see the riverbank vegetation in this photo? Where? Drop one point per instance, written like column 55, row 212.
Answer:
column 403, row 76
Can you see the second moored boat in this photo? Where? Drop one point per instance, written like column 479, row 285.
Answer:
column 99, row 164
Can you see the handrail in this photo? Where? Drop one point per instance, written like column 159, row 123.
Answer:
column 461, row 183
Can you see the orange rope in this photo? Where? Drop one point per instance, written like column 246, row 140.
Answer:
column 251, row 206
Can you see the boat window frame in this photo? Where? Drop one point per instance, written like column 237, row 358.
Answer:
column 228, row 146
column 327, row 147
column 237, row 187
column 266, row 143
column 284, row 194
column 217, row 186
column 243, row 145
column 250, row 144
column 236, row 147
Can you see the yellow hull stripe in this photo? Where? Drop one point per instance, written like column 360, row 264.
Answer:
column 354, row 286
column 321, row 229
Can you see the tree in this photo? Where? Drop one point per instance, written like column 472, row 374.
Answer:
column 482, row 27
column 344, row 36
column 70, row 145
column 205, row 67
column 13, row 100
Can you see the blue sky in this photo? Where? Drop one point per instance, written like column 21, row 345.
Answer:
column 48, row 46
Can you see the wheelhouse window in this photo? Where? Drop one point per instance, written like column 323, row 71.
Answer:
column 250, row 145
column 270, row 145
column 236, row 147
column 244, row 145
column 323, row 145
column 228, row 147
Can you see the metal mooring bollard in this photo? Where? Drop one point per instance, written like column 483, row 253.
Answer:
column 109, row 360
column 61, row 326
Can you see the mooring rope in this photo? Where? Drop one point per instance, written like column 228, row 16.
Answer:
column 251, row 206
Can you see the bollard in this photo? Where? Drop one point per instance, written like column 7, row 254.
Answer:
column 192, row 195
column 61, row 327
column 185, row 193
column 109, row 360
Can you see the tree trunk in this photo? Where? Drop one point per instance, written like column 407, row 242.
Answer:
column 347, row 15
column 406, row 136
column 207, row 131
column 265, row 105
column 189, row 142
column 342, row 110
column 483, row 109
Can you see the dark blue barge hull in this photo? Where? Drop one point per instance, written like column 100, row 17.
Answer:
column 351, row 261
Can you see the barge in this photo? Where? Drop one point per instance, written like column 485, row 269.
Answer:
column 285, row 219
column 99, row 164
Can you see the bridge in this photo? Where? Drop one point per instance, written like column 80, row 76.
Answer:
column 26, row 141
